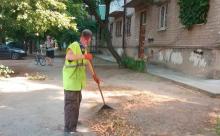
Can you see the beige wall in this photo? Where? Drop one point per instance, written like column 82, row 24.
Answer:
column 180, row 43
column 132, row 40
column 175, row 34
column 177, row 41
column 117, row 41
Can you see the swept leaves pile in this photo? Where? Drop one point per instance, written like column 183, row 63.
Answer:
column 35, row 76
column 108, row 123
column 5, row 71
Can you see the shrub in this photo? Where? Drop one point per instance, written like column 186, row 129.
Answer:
column 218, row 126
column 193, row 12
column 5, row 71
column 137, row 65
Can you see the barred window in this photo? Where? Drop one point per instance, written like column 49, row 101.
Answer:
column 118, row 28
column 111, row 28
column 128, row 26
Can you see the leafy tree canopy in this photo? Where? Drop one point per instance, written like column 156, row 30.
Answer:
column 36, row 16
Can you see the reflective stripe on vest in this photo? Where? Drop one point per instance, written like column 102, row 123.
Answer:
column 74, row 72
column 74, row 65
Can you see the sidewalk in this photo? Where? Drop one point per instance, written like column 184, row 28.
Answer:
column 36, row 107
column 105, row 57
column 208, row 86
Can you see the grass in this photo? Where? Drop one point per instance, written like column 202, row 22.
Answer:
column 218, row 126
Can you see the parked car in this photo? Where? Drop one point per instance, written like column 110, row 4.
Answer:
column 16, row 45
column 7, row 51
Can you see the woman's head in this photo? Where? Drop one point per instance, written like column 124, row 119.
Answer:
column 48, row 37
column 86, row 37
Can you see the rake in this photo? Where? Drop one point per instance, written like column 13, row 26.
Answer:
column 105, row 106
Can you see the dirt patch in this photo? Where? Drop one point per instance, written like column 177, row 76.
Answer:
column 144, row 105
column 147, row 114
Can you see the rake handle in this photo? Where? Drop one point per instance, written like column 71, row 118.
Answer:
column 101, row 94
column 100, row 90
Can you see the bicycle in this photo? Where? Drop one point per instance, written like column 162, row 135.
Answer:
column 39, row 58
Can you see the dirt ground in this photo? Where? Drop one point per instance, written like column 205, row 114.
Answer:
column 156, row 107
column 143, row 104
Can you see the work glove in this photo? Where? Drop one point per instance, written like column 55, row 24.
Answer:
column 88, row 56
column 96, row 79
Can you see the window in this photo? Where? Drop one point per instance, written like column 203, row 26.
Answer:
column 128, row 26
column 111, row 28
column 163, row 17
column 118, row 28
column 143, row 18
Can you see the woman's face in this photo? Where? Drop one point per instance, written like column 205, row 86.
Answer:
column 48, row 38
column 85, row 41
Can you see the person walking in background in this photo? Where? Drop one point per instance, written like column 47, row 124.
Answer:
column 49, row 44
column 74, row 78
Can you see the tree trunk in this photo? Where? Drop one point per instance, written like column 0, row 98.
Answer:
column 30, row 46
column 25, row 45
column 104, row 26
column 2, row 40
column 2, row 37
column 107, row 37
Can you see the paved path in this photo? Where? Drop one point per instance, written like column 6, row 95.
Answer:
column 208, row 86
column 35, row 108
column 30, row 108
column 211, row 87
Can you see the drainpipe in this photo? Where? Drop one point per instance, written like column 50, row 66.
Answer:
column 124, row 32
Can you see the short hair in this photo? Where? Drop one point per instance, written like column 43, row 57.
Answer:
column 86, row 33
column 48, row 36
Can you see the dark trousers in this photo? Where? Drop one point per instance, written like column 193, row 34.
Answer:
column 71, row 109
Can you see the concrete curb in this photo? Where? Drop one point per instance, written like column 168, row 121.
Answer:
column 212, row 95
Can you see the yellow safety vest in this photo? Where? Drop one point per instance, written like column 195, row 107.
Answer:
column 74, row 73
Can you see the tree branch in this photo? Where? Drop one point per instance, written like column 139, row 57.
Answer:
column 107, row 3
column 93, row 10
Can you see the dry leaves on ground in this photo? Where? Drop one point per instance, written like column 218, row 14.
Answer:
column 112, row 123
column 35, row 76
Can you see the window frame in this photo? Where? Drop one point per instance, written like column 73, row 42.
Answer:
column 128, row 25
column 111, row 28
column 162, row 25
column 143, row 19
column 118, row 32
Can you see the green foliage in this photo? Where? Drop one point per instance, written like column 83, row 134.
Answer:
column 5, row 71
column 193, row 12
column 218, row 126
column 22, row 19
column 137, row 65
column 26, row 17
column 77, row 9
column 87, row 23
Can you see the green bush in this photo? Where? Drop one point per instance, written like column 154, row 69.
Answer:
column 137, row 65
column 218, row 126
column 5, row 71
column 193, row 12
